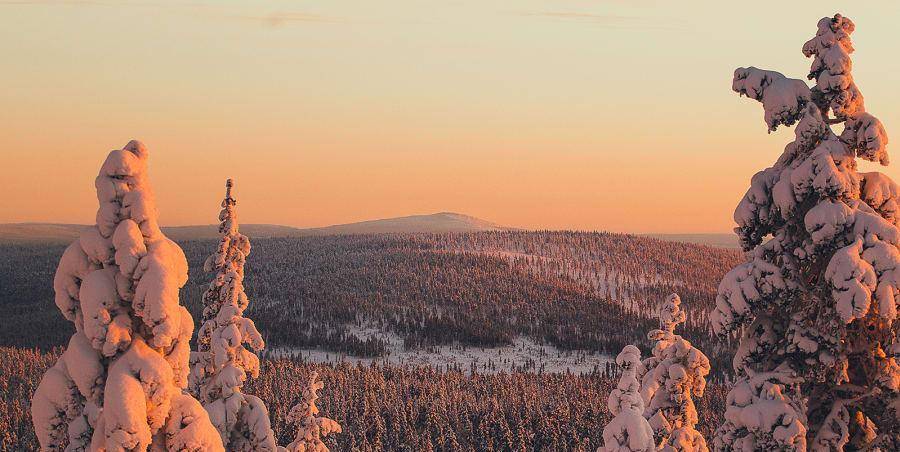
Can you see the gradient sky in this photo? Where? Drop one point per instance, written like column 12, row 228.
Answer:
column 614, row 115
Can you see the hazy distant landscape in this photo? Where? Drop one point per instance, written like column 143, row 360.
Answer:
column 350, row 295
column 433, row 223
column 444, row 321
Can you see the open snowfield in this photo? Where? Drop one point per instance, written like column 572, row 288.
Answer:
column 525, row 354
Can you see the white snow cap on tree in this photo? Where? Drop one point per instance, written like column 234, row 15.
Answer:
column 628, row 431
column 763, row 412
column 311, row 428
column 222, row 364
column 816, row 301
column 118, row 386
column 675, row 374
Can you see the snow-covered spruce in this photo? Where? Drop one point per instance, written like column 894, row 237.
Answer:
column 628, row 431
column 676, row 372
column 816, row 302
column 119, row 384
column 311, row 428
column 220, row 367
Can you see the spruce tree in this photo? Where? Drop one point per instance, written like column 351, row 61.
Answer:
column 222, row 363
column 119, row 384
column 311, row 428
column 675, row 374
column 628, row 431
column 815, row 303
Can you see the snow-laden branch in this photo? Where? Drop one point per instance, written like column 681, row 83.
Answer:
column 304, row 416
column 676, row 373
column 119, row 384
column 222, row 363
column 818, row 296
column 628, row 431
column 783, row 98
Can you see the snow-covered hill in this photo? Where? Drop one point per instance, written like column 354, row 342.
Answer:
column 433, row 223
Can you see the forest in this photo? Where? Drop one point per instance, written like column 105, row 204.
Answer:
column 398, row 408
column 577, row 291
column 574, row 290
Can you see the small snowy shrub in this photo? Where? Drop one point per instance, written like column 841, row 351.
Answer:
column 628, row 431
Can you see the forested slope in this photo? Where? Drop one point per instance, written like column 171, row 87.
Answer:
column 574, row 290
column 397, row 408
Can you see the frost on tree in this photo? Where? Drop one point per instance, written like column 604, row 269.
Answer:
column 675, row 374
column 222, row 364
column 311, row 428
column 119, row 384
column 628, row 431
column 815, row 303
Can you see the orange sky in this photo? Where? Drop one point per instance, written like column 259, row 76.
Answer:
column 614, row 115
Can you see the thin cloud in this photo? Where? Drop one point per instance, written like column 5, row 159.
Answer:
column 92, row 3
column 607, row 20
column 57, row 2
column 273, row 20
column 278, row 19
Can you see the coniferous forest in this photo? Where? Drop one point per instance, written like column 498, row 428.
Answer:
column 488, row 338
column 588, row 292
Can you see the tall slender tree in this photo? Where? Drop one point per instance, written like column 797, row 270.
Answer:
column 119, row 384
column 815, row 303
column 311, row 428
column 222, row 363
column 675, row 374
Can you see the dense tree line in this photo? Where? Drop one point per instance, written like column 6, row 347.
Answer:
column 398, row 408
column 574, row 290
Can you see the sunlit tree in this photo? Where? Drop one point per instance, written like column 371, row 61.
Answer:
column 119, row 385
column 815, row 303
column 304, row 416
column 676, row 373
column 628, row 431
column 222, row 363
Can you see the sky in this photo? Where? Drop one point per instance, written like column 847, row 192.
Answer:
column 568, row 114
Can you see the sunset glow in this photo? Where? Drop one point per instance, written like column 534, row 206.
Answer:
column 561, row 115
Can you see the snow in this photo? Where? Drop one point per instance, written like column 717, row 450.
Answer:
column 106, row 321
column 118, row 385
column 525, row 354
column 311, row 428
column 782, row 98
column 73, row 268
column 761, row 416
column 853, row 281
column 222, row 364
column 628, row 431
column 129, row 245
column 878, row 191
column 676, row 372
column 866, row 136
column 817, row 296
column 831, row 66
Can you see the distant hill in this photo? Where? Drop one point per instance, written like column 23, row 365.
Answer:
column 40, row 232
column 433, row 223
column 718, row 240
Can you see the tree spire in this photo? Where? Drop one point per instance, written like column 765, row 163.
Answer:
column 222, row 364
column 675, row 374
